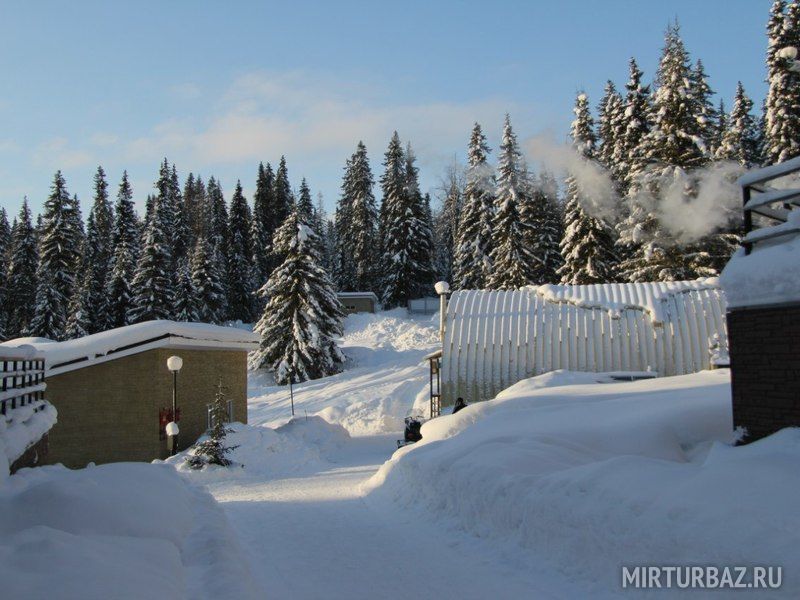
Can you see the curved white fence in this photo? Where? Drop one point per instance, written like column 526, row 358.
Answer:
column 495, row 338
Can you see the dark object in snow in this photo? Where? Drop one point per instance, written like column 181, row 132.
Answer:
column 458, row 405
column 412, row 432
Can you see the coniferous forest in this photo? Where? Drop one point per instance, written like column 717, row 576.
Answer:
column 203, row 252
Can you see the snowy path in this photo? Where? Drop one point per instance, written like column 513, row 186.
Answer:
column 314, row 536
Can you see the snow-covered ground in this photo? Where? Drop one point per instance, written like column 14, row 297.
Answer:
column 545, row 492
column 385, row 378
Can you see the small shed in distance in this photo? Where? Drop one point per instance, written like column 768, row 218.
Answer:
column 113, row 390
column 358, row 302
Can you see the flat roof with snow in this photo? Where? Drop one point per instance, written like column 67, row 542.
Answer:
column 61, row 357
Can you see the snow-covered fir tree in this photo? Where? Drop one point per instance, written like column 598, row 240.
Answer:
column 21, row 279
column 125, row 242
column 704, row 111
column 547, row 231
column 283, row 204
column 240, row 267
column 740, row 139
column 610, row 130
column 5, row 250
column 207, row 280
column 152, row 288
column 213, row 450
column 636, row 124
column 262, row 227
column 79, row 323
column 421, row 242
column 587, row 246
column 782, row 115
column 186, row 299
column 60, row 243
column 404, row 240
column 472, row 254
column 445, row 223
column 356, row 227
column 98, row 256
column 513, row 262
column 182, row 232
column 302, row 315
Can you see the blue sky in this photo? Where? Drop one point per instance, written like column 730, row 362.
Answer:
column 218, row 86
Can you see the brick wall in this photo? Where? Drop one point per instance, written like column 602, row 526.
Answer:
column 109, row 412
column 765, row 368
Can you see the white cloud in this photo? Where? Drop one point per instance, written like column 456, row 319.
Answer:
column 59, row 153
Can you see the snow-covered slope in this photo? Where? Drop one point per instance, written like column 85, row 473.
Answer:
column 593, row 476
column 384, row 379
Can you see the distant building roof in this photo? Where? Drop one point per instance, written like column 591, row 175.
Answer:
column 369, row 295
column 61, row 357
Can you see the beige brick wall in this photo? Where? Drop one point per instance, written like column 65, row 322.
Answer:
column 109, row 412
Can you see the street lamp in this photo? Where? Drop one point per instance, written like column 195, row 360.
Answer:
column 442, row 289
column 174, row 364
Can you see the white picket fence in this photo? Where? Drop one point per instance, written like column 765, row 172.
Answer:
column 495, row 338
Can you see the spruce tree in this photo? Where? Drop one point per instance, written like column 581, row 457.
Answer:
column 60, row 244
column 262, row 226
column 185, row 295
column 240, row 266
column 544, row 241
column 21, row 280
column 79, row 323
column 704, row 111
column 782, row 115
column 472, row 254
column 125, row 241
column 512, row 260
column 5, row 251
column 610, row 130
column 181, row 219
column 421, row 227
column 587, row 245
column 446, row 223
column 740, row 139
column 302, row 315
column 631, row 159
column 212, row 450
column 98, row 256
column 207, row 280
column 356, row 236
column 152, row 288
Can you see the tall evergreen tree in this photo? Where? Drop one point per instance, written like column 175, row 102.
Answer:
column 21, row 281
column 181, row 219
column 98, row 258
column 472, row 256
column 631, row 157
column 207, row 280
column 782, row 115
column 740, row 138
column 445, row 226
column 60, row 245
column 611, row 126
column 186, row 299
column 547, row 230
column 587, row 245
column 302, row 315
column 125, row 241
column 79, row 323
column 5, row 251
column 240, row 266
column 512, row 260
column 262, row 224
column 421, row 232
column 704, row 111
column 152, row 288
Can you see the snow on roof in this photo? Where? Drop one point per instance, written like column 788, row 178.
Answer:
column 23, row 351
column 115, row 343
column 616, row 297
column 369, row 295
column 771, row 172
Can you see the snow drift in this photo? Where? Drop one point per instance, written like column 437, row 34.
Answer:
column 594, row 476
column 123, row 530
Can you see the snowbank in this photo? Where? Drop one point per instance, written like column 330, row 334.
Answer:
column 384, row 380
column 123, row 530
column 593, row 476
column 21, row 428
column 301, row 444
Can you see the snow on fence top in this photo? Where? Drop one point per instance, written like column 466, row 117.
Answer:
column 495, row 338
column 115, row 343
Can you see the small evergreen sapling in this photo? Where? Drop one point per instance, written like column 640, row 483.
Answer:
column 213, row 451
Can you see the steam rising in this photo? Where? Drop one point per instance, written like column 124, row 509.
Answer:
column 689, row 206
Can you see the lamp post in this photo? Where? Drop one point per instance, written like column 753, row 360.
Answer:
column 442, row 289
column 174, row 364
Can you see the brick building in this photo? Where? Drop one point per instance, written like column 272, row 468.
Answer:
column 113, row 390
column 762, row 285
